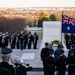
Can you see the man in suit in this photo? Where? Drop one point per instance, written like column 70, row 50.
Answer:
column 6, row 55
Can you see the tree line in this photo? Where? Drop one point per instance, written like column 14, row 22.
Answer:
column 11, row 25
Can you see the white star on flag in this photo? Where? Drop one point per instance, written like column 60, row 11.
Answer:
column 68, row 28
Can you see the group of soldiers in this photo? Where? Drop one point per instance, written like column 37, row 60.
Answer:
column 55, row 61
column 70, row 39
column 19, row 40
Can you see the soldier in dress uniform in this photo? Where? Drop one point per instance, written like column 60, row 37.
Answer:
column 25, row 39
column 13, row 41
column 4, row 41
column 50, row 63
column 0, row 39
column 21, row 39
column 6, row 56
column 30, row 38
column 17, row 42
column 35, row 39
column 61, row 63
column 71, row 62
column 7, row 38
column 68, row 41
column 44, row 55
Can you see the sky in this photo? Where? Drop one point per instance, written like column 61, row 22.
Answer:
column 36, row 3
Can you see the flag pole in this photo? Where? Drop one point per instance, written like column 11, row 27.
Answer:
column 61, row 29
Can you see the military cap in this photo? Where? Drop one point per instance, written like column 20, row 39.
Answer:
column 6, row 51
column 46, row 44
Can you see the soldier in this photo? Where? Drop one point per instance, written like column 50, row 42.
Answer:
column 21, row 39
column 17, row 41
column 3, row 41
column 44, row 55
column 7, row 38
column 61, row 63
column 6, row 56
column 0, row 39
column 13, row 41
column 50, row 63
column 35, row 39
column 25, row 39
column 71, row 63
column 30, row 38
column 68, row 41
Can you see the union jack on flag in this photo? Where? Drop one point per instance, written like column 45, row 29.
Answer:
column 68, row 20
column 68, row 24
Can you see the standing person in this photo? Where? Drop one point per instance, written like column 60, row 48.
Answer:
column 25, row 39
column 57, row 52
column 35, row 39
column 21, row 38
column 20, row 68
column 30, row 38
column 4, row 71
column 44, row 55
column 6, row 55
column 61, row 63
column 50, row 63
column 71, row 49
column 17, row 41
column 71, row 63
column 0, row 39
column 68, row 41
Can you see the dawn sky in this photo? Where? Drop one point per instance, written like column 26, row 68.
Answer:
column 37, row 3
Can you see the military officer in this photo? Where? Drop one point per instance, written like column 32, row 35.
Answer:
column 50, row 63
column 44, row 55
column 61, row 63
column 6, row 56
column 30, row 38
column 35, row 39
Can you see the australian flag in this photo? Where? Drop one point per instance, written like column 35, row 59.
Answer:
column 68, row 24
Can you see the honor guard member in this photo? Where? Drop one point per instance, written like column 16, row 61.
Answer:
column 13, row 41
column 17, row 41
column 4, row 41
column 25, row 39
column 61, row 63
column 7, row 38
column 71, row 63
column 35, row 39
column 30, row 38
column 44, row 55
column 0, row 39
column 21, row 67
column 50, row 63
column 21, row 38
column 6, row 56
column 68, row 41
